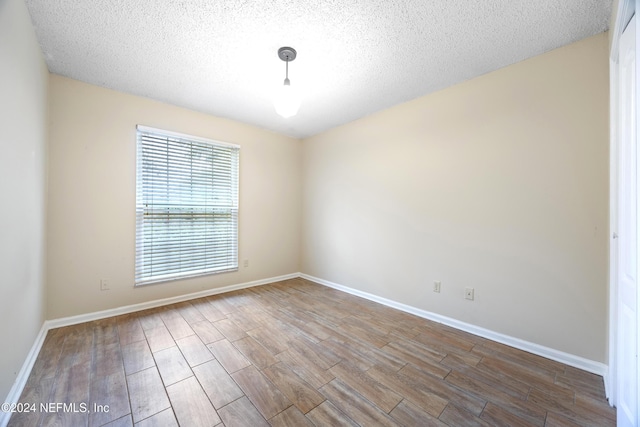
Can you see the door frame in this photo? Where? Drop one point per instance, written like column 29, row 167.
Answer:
column 626, row 9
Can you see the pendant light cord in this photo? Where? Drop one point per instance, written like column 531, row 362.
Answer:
column 286, row 79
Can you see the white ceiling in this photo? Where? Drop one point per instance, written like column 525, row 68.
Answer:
column 355, row 57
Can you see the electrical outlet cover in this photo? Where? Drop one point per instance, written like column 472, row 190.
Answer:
column 468, row 293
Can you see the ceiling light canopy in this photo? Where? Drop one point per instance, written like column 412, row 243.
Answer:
column 287, row 100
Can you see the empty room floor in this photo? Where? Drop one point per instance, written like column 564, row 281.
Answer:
column 296, row 353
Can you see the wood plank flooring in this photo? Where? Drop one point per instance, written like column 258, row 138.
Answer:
column 295, row 353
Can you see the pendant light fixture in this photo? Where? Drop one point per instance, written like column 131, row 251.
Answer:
column 287, row 100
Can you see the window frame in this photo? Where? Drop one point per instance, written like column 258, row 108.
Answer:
column 141, row 279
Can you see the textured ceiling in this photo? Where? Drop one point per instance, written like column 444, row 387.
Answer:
column 355, row 57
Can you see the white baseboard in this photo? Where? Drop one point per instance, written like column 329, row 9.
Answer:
column 23, row 375
column 88, row 317
column 550, row 353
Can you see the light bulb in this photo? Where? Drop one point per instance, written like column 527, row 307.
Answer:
column 287, row 100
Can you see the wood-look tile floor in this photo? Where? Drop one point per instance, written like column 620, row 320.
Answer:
column 295, row 353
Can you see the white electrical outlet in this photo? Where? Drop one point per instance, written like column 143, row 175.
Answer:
column 468, row 293
column 104, row 285
column 436, row 286
column 246, row 263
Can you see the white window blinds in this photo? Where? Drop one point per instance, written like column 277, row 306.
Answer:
column 186, row 206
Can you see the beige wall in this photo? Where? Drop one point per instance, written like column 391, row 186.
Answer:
column 499, row 183
column 23, row 142
column 91, row 216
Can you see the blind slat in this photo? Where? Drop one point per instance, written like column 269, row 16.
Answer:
column 186, row 206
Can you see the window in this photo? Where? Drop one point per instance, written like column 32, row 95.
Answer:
column 186, row 206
